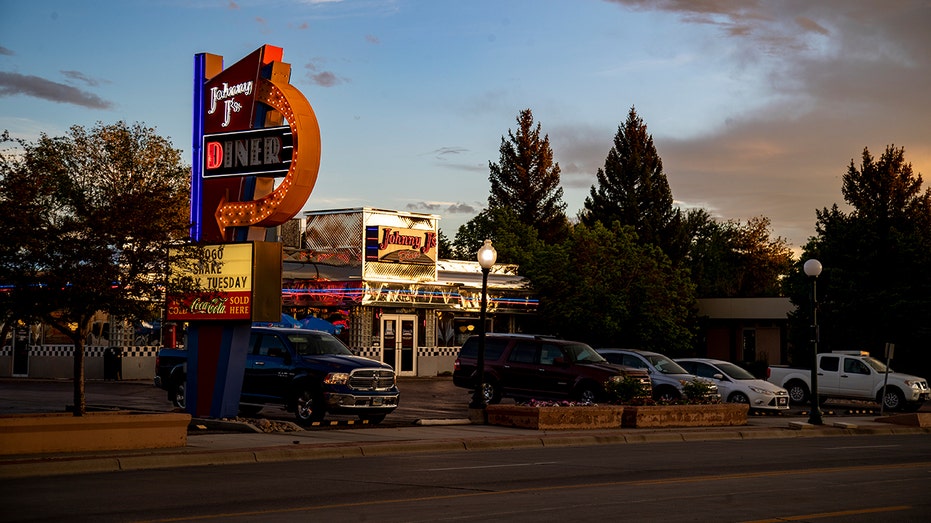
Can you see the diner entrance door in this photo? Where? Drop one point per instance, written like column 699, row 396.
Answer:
column 398, row 337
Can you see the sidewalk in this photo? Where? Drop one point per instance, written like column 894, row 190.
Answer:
column 222, row 446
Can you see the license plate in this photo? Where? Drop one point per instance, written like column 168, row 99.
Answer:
column 377, row 401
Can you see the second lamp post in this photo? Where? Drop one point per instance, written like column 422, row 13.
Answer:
column 487, row 255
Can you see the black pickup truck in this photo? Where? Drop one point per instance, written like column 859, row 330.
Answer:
column 310, row 373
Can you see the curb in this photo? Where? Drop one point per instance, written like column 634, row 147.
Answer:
column 35, row 466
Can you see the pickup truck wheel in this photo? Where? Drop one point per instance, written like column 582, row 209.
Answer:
column 798, row 392
column 177, row 395
column 738, row 397
column 894, row 399
column 309, row 407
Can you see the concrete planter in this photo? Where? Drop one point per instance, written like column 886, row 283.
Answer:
column 63, row 432
column 717, row 415
column 555, row 418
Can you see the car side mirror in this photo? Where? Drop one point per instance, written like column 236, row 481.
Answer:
column 719, row 377
column 287, row 358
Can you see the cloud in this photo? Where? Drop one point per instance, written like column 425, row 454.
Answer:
column 6, row 52
column 461, row 208
column 372, row 39
column 445, row 207
column 838, row 76
column 18, row 84
column 442, row 152
column 83, row 78
column 232, row 5
column 322, row 78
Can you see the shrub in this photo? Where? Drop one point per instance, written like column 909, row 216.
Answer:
column 626, row 390
column 699, row 391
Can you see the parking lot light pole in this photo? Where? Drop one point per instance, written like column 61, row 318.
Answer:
column 813, row 270
column 487, row 255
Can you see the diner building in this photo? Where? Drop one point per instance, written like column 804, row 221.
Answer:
column 373, row 274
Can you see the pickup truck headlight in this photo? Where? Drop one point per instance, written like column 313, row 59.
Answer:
column 336, row 378
column 762, row 391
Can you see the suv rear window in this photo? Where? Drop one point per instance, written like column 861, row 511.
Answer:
column 493, row 348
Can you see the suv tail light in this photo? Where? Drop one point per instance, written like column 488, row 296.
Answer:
column 457, row 364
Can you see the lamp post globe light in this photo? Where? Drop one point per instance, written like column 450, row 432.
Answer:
column 487, row 255
column 812, row 269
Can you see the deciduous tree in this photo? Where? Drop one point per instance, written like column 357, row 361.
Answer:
column 603, row 286
column 89, row 217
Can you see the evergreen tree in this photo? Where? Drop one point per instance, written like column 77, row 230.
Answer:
column 632, row 189
column 526, row 180
column 876, row 283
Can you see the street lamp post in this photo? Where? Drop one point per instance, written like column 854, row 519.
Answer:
column 487, row 255
column 813, row 270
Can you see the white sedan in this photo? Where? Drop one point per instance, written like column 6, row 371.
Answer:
column 736, row 385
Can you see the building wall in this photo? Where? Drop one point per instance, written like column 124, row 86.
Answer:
column 57, row 361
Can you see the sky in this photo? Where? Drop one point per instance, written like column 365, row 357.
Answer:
column 756, row 108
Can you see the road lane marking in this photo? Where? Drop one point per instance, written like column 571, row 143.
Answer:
column 838, row 514
column 492, row 466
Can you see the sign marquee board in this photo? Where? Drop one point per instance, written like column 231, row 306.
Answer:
column 282, row 140
column 232, row 279
column 397, row 245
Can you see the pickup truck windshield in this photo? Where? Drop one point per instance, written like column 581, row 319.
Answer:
column 311, row 344
column 877, row 365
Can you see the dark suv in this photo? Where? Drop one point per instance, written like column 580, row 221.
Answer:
column 525, row 366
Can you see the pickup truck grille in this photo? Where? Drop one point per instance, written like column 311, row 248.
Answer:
column 371, row 379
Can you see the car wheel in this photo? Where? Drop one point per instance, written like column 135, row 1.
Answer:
column 798, row 392
column 666, row 394
column 309, row 407
column 177, row 395
column 586, row 394
column 372, row 419
column 739, row 397
column 893, row 400
column 491, row 393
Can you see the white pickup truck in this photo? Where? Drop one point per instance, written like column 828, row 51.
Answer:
column 853, row 375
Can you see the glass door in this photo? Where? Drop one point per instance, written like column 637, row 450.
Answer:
column 398, row 341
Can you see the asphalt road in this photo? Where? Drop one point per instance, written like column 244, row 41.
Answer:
column 842, row 479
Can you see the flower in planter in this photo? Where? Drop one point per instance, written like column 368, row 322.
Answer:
column 563, row 403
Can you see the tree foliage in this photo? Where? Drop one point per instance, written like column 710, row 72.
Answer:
column 633, row 190
column 603, row 286
column 876, row 283
column 89, row 217
column 514, row 241
column 739, row 260
column 526, row 180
